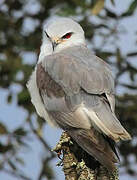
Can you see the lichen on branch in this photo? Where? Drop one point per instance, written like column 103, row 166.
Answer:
column 77, row 164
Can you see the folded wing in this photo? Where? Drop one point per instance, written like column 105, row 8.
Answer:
column 87, row 79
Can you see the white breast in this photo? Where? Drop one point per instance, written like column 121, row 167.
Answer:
column 36, row 99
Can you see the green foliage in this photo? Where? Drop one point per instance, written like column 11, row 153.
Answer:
column 3, row 129
column 131, row 9
column 17, row 39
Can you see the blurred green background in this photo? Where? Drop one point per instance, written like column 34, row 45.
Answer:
column 111, row 30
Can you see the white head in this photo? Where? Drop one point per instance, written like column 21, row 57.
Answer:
column 60, row 33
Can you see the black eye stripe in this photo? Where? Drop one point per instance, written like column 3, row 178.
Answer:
column 46, row 34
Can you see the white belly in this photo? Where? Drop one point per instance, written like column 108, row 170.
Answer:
column 36, row 99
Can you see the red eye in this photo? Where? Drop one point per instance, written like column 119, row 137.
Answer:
column 67, row 36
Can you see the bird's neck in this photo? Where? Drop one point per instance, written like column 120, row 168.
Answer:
column 47, row 49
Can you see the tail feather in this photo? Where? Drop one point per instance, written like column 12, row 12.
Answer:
column 112, row 144
column 104, row 120
column 95, row 145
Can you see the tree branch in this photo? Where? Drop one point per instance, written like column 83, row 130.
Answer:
column 78, row 165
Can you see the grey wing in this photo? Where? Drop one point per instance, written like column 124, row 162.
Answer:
column 92, row 78
column 68, row 113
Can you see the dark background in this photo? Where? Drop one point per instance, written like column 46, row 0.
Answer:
column 111, row 31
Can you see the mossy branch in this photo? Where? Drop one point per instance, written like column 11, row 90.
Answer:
column 76, row 167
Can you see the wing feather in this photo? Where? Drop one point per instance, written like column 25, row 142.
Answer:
column 105, row 120
column 72, row 72
column 75, row 69
column 76, row 91
column 95, row 145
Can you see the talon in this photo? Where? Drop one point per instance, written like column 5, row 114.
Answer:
column 59, row 154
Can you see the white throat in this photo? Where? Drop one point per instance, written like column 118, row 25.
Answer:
column 47, row 48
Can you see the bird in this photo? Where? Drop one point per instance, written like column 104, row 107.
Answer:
column 73, row 89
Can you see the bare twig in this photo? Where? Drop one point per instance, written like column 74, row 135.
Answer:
column 39, row 137
column 15, row 174
column 47, row 147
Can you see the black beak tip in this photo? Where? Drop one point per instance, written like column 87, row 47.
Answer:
column 54, row 44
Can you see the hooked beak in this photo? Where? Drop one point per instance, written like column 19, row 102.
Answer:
column 54, row 44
